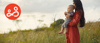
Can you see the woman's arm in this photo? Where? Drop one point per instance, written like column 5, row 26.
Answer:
column 76, row 18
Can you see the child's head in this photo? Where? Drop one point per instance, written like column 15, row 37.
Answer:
column 70, row 8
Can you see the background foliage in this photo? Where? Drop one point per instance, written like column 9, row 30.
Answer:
column 88, row 34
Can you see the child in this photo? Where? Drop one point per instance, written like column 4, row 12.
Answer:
column 67, row 20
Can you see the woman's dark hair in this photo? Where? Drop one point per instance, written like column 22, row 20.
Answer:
column 79, row 6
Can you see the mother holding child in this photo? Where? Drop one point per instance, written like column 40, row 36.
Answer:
column 72, row 20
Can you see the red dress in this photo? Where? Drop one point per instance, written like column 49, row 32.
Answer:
column 72, row 35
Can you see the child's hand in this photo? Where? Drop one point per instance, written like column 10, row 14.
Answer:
column 65, row 13
column 67, row 16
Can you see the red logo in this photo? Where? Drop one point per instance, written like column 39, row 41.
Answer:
column 12, row 11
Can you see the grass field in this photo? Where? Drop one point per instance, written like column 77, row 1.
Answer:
column 88, row 34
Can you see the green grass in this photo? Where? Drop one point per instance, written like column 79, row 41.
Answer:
column 88, row 34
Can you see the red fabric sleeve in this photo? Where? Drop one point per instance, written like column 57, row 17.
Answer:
column 76, row 18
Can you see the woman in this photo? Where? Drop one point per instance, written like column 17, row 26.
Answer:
column 72, row 35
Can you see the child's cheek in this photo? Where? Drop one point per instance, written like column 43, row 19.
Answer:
column 67, row 9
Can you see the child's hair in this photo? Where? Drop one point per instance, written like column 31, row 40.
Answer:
column 72, row 6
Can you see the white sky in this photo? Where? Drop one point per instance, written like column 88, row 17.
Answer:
column 36, row 8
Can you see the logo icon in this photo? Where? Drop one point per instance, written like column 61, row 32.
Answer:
column 12, row 11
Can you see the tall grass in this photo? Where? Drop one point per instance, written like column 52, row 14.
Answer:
column 88, row 34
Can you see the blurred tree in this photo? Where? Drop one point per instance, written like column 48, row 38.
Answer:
column 56, row 23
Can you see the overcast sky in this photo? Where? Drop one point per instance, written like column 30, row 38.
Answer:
column 37, row 8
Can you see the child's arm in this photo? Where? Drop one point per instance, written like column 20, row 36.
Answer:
column 68, row 16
